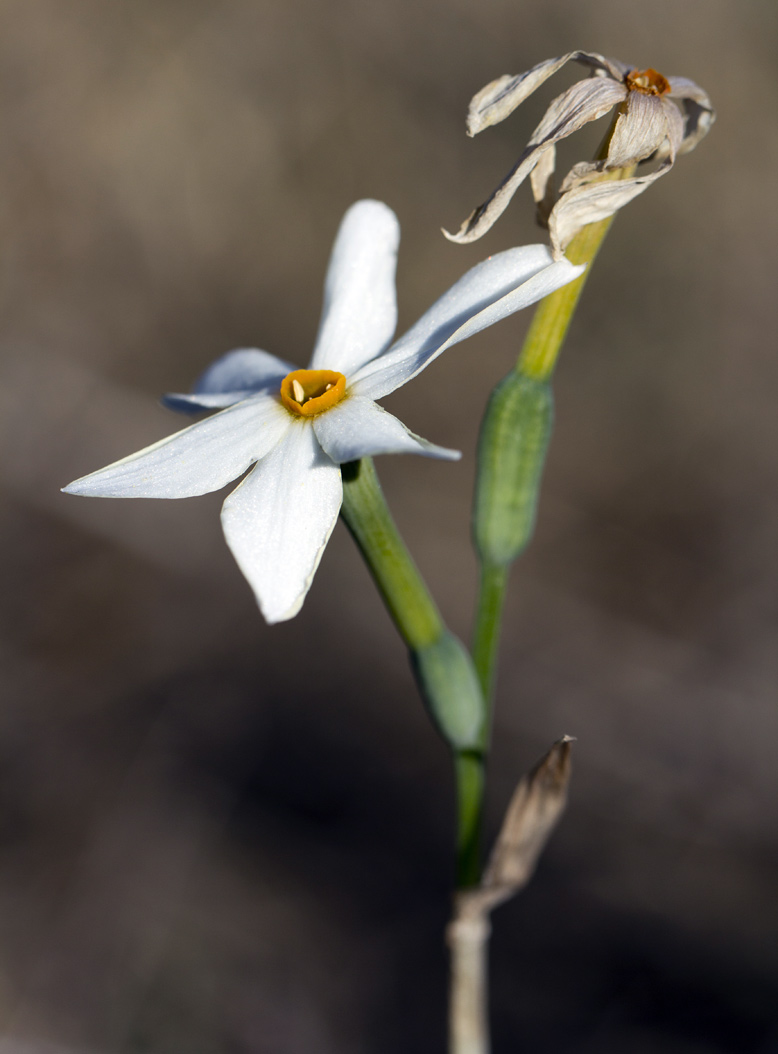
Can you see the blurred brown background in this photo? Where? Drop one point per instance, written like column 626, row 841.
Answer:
column 219, row 836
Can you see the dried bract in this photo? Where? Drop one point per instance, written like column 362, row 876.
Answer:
column 534, row 811
column 658, row 119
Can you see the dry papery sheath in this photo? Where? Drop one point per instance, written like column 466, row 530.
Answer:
column 658, row 119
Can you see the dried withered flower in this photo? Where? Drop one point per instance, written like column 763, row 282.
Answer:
column 658, row 119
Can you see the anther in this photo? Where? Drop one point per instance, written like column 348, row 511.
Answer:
column 298, row 391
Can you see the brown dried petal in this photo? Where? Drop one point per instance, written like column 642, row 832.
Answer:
column 500, row 98
column 697, row 125
column 675, row 127
column 589, row 199
column 580, row 174
column 639, row 131
column 610, row 67
column 542, row 181
column 683, row 88
column 585, row 101
column 670, row 148
column 698, row 113
column 481, row 219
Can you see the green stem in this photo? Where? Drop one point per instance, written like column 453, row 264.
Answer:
column 470, row 771
column 535, row 363
column 553, row 315
column 486, row 641
column 399, row 582
column 443, row 668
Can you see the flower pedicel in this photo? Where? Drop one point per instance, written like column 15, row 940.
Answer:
column 294, row 428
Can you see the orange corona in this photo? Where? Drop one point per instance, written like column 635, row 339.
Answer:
column 647, row 82
column 310, row 392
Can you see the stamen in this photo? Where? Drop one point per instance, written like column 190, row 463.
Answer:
column 298, row 391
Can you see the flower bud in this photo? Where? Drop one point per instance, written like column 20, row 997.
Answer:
column 511, row 453
column 450, row 689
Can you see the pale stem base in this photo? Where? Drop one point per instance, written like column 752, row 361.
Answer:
column 468, row 940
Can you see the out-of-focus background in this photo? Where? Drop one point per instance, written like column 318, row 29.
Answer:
column 219, row 836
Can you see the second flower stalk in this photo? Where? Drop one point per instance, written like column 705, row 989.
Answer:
column 457, row 689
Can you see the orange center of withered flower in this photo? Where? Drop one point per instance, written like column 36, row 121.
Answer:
column 647, row 82
column 309, row 392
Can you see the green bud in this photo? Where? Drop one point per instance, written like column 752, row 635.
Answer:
column 450, row 689
column 511, row 454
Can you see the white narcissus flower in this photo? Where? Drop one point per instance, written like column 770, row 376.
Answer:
column 649, row 125
column 294, row 428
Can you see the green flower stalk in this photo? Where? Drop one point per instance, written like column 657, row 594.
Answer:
column 511, row 455
column 515, row 433
column 442, row 665
column 512, row 448
column 657, row 119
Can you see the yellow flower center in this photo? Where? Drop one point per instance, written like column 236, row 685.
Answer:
column 310, row 392
column 647, row 82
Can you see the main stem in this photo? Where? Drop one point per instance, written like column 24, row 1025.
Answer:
column 488, row 621
column 468, row 938
column 442, row 665
column 470, row 773
column 553, row 316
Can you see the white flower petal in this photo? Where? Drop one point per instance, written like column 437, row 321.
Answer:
column 278, row 521
column 245, row 369
column 360, row 304
column 230, row 379
column 202, row 458
column 359, row 428
column 196, row 404
column 490, row 291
